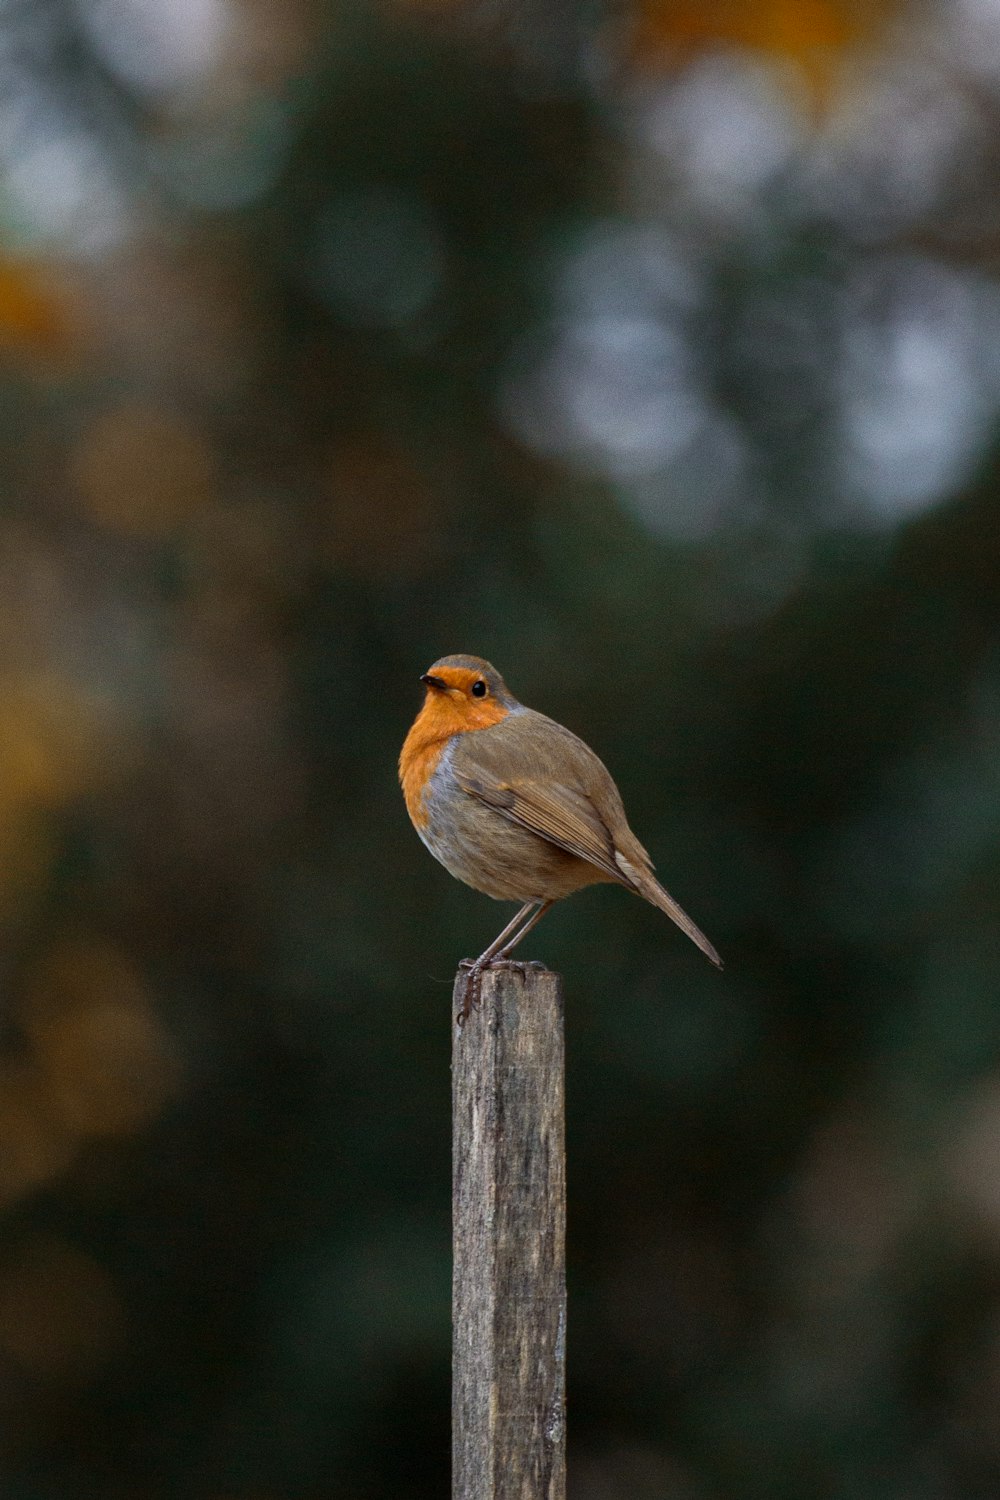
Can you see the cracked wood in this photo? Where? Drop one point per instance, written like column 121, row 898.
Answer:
column 509, row 1220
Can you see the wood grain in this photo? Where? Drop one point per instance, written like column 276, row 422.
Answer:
column 509, row 1221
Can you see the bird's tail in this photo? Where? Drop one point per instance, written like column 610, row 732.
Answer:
column 648, row 886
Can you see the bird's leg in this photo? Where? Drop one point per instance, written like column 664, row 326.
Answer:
column 512, row 942
column 475, row 967
column 497, row 952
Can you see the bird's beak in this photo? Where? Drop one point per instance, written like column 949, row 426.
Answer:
column 433, row 682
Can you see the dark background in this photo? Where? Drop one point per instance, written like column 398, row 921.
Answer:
column 651, row 352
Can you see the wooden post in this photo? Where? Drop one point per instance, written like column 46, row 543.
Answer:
column 509, row 1221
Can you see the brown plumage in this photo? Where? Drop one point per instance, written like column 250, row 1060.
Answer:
column 517, row 806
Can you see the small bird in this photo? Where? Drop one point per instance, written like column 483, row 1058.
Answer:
column 517, row 806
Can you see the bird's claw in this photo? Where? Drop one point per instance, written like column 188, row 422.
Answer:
column 475, row 969
column 472, row 994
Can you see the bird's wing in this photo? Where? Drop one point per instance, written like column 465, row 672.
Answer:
column 554, row 813
column 547, row 781
column 550, row 782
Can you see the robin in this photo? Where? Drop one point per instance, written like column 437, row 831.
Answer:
column 517, row 806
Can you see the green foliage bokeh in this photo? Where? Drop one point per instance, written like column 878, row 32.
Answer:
column 423, row 330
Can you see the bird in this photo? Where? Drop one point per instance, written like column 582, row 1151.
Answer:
column 518, row 807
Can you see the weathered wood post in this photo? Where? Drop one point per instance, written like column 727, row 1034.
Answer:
column 509, row 1230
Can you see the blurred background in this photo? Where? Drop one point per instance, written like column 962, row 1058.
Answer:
column 652, row 351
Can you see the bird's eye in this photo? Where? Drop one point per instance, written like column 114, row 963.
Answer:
column 479, row 689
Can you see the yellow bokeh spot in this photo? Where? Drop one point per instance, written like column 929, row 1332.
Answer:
column 141, row 471
column 35, row 1147
column 55, row 746
column 811, row 34
column 51, row 741
column 107, row 1062
column 33, row 315
column 59, row 1315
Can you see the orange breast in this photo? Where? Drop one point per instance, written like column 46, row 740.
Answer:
column 441, row 717
column 416, row 767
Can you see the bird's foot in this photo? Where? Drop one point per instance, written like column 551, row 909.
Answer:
column 472, row 994
column 475, row 968
column 522, row 966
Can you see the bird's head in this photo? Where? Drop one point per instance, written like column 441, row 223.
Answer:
column 465, row 692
